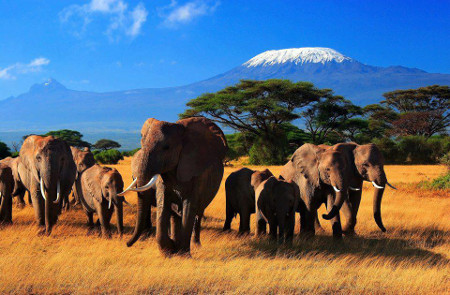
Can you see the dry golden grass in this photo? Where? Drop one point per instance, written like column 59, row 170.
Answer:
column 411, row 258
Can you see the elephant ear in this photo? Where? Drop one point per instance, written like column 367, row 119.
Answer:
column 265, row 198
column 204, row 144
column 92, row 180
column 305, row 161
column 26, row 153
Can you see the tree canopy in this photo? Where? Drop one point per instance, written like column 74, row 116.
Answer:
column 106, row 144
column 4, row 150
column 72, row 137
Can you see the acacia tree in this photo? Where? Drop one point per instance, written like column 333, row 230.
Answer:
column 328, row 115
column 72, row 137
column 259, row 108
column 106, row 144
column 4, row 150
column 423, row 111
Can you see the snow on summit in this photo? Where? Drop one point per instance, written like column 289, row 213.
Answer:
column 297, row 56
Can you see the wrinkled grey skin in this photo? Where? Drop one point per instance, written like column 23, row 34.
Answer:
column 6, row 190
column 19, row 188
column 188, row 155
column 240, row 197
column 83, row 159
column 97, row 186
column 316, row 170
column 366, row 164
column 276, row 204
column 49, row 159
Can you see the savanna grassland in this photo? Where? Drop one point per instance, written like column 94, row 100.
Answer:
column 412, row 257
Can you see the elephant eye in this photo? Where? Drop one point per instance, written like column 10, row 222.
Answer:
column 38, row 158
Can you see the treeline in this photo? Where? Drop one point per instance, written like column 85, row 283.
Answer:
column 104, row 150
column 410, row 126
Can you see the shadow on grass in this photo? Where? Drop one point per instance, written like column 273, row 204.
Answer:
column 398, row 250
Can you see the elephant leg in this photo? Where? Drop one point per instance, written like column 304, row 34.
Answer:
column 188, row 219
column 38, row 206
column 308, row 211
column 104, row 221
column 261, row 224
column 6, row 209
column 273, row 229
column 197, row 228
column 175, row 229
column 244, row 225
column 228, row 216
column 335, row 221
column 21, row 199
column 289, row 231
column 350, row 211
column 163, row 214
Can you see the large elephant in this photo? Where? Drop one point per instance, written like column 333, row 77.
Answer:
column 321, row 176
column 6, row 190
column 83, row 159
column 240, row 197
column 47, row 170
column 97, row 189
column 188, row 155
column 19, row 188
column 276, row 204
column 366, row 163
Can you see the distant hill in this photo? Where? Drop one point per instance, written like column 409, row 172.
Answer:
column 51, row 106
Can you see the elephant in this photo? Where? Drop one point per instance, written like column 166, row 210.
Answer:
column 47, row 170
column 366, row 163
column 83, row 159
column 97, row 189
column 188, row 156
column 240, row 197
column 19, row 188
column 276, row 203
column 321, row 175
column 6, row 190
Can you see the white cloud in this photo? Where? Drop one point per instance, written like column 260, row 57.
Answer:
column 12, row 71
column 120, row 18
column 175, row 14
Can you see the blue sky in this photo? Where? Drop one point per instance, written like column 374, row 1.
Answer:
column 104, row 45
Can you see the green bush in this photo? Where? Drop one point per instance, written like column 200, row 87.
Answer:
column 108, row 157
column 263, row 154
column 4, row 150
column 442, row 182
column 130, row 153
column 390, row 150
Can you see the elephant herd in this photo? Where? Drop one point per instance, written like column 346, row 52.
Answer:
column 314, row 175
column 178, row 170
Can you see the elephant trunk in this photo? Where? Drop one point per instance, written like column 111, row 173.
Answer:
column 142, row 212
column 341, row 196
column 281, row 227
column 119, row 215
column 379, row 182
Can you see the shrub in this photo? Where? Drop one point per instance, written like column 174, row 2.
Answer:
column 130, row 153
column 440, row 183
column 108, row 157
column 4, row 150
column 390, row 150
column 264, row 154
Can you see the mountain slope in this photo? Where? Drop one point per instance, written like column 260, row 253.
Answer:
column 52, row 106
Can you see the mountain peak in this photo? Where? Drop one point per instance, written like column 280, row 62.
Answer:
column 297, row 56
column 49, row 85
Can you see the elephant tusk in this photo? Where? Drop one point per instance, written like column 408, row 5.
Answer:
column 391, row 185
column 377, row 186
column 336, row 189
column 354, row 188
column 147, row 186
column 110, row 201
column 1, row 196
column 128, row 188
column 58, row 193
column 43, row 190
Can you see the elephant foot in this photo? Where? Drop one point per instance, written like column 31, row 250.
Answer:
column 6, row 222
column 349, row 233
column 243, row 233
column 226, row 228
column 147, row 233
column 41, row 231
column 306, row 235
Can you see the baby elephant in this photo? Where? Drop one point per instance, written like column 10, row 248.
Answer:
column 97, row 189
column 240, row 197
column 6, row 190
column 276, row 202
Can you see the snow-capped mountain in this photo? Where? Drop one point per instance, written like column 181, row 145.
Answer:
column 298, row 56
column 50, row 105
